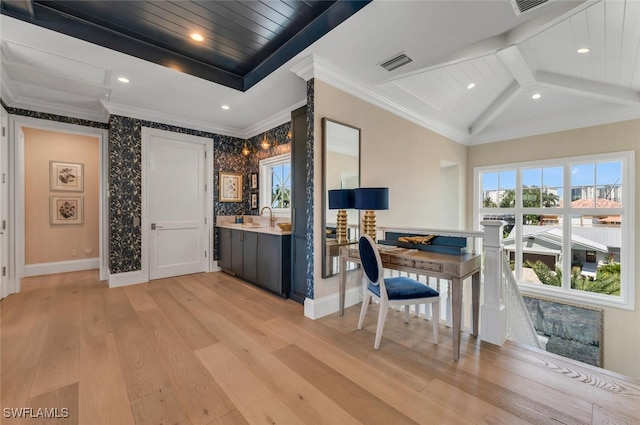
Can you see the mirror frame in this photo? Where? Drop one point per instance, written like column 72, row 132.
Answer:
column 325, row 120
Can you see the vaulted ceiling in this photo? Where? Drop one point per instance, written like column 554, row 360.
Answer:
column 70, row 60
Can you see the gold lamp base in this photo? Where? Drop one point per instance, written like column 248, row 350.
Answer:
column 369, row 224
column 341, row 228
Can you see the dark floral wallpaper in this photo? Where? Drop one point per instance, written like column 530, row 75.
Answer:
column 310, row 186
column 280, row 140
column 125, row 194
column 125, row 176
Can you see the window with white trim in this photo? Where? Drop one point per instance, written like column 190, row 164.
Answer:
column 275, row 184
column 570, row 214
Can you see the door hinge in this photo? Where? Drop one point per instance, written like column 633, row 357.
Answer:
column 4, row 131
column 205, row 220
column 4, row 224
column 4, row 178
column 205, row 154
column 4, row 270
column 205, row 254
column 205, row 187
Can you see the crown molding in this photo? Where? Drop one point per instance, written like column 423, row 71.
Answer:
column 305, row 68
column 272, row 121
column 178, row 121
column 7, row 90
column 316, row 67
column 29, row 104
column 591, row 118
column 258, row 128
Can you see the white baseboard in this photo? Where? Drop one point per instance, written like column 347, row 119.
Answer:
column 61, row 267
column 320, row 307
column 127, row 278
column 215, row 267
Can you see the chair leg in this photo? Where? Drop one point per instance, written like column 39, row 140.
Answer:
column 382, row 316
column 435, row 318
column 363, row 310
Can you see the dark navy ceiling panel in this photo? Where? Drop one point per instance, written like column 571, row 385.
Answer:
column 244, row 41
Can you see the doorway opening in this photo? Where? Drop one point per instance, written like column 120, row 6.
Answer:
column 59, row 202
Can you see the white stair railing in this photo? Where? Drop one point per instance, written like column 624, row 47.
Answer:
column 519, row 324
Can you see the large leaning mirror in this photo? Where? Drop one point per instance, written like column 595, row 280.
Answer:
column 341, row 170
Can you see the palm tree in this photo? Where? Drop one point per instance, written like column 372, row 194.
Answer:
column 489, row 203
column 549, row 199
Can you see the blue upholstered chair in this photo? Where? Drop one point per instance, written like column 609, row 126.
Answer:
column 392, row 291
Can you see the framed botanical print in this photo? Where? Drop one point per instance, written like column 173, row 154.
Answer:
column 66, row 209
column 254, row 201
column 253, row 181
column 66, row 176
column 230, row 187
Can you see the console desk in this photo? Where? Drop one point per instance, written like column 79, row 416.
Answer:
column 455, row 268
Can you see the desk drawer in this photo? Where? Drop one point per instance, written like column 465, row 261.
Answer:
column 428, row 266
column 401, row 262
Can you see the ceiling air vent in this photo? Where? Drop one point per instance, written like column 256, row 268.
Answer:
column 521, row 6
column 396, row 62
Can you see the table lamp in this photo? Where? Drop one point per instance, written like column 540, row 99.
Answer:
column 341, row 200
column 371, row 199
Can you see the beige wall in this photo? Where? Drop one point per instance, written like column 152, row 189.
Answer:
column 395, row 153
column 621, row 327
column 46, row 243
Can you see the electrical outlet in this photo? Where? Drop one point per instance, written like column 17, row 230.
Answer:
column 88, row 251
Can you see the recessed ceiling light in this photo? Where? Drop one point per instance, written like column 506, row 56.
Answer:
column 536, row 96
column 584, row 50
column 471, row 85
column 197, row 37
column 225, row 107
column 123, row 80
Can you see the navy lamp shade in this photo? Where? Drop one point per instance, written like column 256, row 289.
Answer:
column 341, row 200
column 371, row 199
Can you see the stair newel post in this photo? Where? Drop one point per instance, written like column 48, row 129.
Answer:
column 493, row 321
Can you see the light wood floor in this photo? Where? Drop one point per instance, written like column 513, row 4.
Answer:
column 210, row 349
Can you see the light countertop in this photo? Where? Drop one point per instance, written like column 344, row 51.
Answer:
column 254, row 227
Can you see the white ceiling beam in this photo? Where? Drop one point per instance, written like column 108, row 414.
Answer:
column 590, row 89
column 514, row 61
column 495, row 108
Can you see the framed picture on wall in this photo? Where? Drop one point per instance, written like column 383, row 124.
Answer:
column 66, row 209
column 230, row 187
column 66, row 176
column 253, row 181
column 254, row 201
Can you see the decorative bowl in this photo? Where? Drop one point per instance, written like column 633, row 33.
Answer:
column 285, row 227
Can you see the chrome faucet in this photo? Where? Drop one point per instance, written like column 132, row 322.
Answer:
column 272, row 219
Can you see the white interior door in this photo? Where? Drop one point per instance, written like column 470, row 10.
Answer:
column 176, row 197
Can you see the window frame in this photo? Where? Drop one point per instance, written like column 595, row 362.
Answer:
column 265, row 166
column 626, row 298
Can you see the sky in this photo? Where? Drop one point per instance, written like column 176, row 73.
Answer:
column 599, row 174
